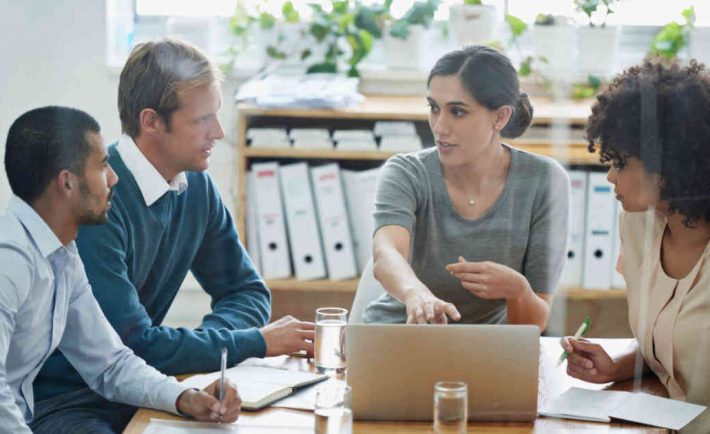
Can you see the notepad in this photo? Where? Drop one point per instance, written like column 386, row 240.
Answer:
column 602, row 405
column 260, row 386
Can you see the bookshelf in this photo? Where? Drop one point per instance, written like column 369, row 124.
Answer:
column 556, row 132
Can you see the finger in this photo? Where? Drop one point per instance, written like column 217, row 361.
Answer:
column 469, row 277
column 564, row 343
column 587, row 347
column 580, row 360
column 305, row 325
column 306, row 334
column 411, row 318
column 452, row 312
column 441, row 318
column 429, row 312
column 231, row 405
column 419, row 315
column 581, row 373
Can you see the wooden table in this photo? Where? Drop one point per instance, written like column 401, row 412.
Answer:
column 553, row 381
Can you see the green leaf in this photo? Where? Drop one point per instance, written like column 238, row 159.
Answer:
column 353, row 72
column 322, row 67
column 367, row 19
column 517, row 26
column 472, row 2
column 525, row 67
column 275, row 53
column 290, row 14
column 689, row 15
column 340, row 6
column 319, row 31
column 399, row 29
column 306, row 54
column 266, row 20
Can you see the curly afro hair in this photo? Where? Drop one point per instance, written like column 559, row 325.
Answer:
column 659, row 113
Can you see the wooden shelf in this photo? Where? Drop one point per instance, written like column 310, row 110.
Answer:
column 414, row 108
column 574, row 153
column 350, row 285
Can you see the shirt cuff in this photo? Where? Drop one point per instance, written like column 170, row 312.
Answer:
column 169, row 395
column 249, row 343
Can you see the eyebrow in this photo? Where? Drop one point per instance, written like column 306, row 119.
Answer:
column 450, row 103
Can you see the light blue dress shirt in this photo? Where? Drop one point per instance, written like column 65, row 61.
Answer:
column 46, row 303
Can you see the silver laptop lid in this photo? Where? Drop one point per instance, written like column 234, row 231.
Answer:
column 392, row 369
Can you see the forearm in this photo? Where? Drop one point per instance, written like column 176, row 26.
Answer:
column 625, row 364
column 395, row 274
column 10, row 414
column 528, row 307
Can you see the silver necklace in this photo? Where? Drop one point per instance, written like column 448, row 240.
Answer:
column 471, row 201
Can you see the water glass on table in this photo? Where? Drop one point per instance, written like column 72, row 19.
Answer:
column 450, row 407
column 333, row 411
column 329, row 340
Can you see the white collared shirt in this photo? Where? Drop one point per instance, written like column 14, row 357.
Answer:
column 149, row 180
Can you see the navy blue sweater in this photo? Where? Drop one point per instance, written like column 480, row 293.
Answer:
column 136, row 263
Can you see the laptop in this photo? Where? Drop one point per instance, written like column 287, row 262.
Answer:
column 392, row 369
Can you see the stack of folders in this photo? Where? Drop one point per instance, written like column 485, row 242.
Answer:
column 398, row 136
column 311, row 138
column 593, row 244
column 354, row 140
column 272, row 138
column 327, row 214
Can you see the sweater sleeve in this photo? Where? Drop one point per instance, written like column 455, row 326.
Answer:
column 240, row 301
column 223, row 268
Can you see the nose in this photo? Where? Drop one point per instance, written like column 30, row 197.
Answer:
column 438, row 125
column 611, row 175
column 112, row 177
column 217, row 132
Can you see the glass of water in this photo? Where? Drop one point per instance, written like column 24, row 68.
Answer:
column 333, row 412
column 450, row 407
column 329, row 341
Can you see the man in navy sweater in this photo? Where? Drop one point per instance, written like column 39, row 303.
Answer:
column 167, row 218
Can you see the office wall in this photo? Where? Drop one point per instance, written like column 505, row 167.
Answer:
column 53, row 52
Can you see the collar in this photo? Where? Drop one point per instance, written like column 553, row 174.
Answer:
column 150, row 182
column 40, row 233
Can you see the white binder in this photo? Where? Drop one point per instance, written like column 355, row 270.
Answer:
column 617, row 279
column 273, row 246
column 333, row 220
column 572, row 275
column 252, row 222
column 599, row 235
column 360, row 190
column 303, row 235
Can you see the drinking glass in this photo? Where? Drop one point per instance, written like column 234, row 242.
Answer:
column 330, row 334
column 450, row 407
column 333, row 411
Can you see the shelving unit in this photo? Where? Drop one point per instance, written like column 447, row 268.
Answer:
column 556, row 132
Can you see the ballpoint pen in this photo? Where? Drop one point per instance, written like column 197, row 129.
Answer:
column 583, row 328
column 223, row 367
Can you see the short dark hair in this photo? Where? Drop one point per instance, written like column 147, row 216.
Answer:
column 43, row 142
column 154, row 75
column 659, row 112
column 491, row 80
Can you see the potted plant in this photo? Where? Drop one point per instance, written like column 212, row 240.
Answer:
column 472, row 22
column 554, row 39
column 403, row 37
column 344, row 32
column 597, row 41
column 699, row 41
column 674, row 36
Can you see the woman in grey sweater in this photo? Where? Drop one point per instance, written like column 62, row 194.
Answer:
column 472, row 229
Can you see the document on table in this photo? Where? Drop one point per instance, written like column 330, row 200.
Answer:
column 602, row 405
column 161, row 426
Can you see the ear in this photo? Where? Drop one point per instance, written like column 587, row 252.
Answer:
column 502, row 117
column 150, row 121
column 66, row 183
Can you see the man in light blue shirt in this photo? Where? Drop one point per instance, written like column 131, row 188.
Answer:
column 58, row 170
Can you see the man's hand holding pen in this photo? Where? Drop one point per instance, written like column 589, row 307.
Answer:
column 204, row 404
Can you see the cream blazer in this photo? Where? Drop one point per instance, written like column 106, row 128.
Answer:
column 670, row 318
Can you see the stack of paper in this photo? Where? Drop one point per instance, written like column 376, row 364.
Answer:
column 301, row 91
column 268, row 138
column 354, row 140
column 311, row 138
column 602, row 405
column 398, row 136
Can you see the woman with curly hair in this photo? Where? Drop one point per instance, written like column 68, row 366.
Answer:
column 653, row 124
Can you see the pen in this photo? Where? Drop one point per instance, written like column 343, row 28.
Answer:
column 223, row 367
column 580, row 332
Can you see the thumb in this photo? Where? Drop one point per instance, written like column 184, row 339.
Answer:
column 461, row 259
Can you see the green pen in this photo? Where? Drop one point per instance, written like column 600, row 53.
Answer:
column 583, row 328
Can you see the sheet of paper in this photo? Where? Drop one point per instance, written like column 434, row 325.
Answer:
column 160, row 426
column 585, row 404
column 657, row 411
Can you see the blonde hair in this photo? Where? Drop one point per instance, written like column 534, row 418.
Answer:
column 155, row 74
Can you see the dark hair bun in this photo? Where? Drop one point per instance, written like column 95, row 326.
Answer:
column 521, row 118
